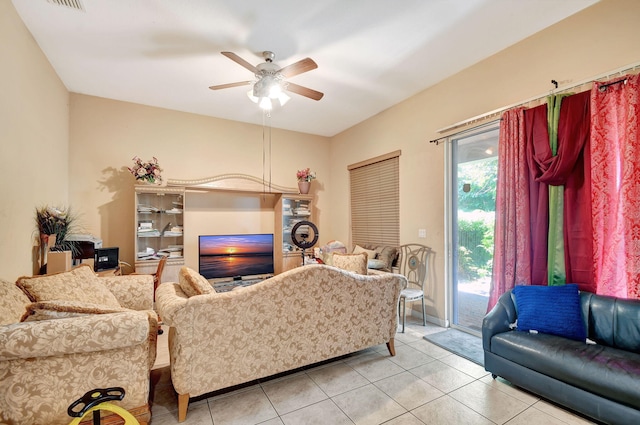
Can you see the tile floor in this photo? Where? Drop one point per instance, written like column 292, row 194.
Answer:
column 422, row 384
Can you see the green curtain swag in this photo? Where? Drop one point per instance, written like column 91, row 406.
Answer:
column 556, row 273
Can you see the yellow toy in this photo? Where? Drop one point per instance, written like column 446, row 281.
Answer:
column 96, row 400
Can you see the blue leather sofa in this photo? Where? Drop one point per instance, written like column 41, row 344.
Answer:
column 600, row 378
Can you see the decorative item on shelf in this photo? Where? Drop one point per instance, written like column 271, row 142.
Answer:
column 146, row 172
column 304, row 187
column 304, row 180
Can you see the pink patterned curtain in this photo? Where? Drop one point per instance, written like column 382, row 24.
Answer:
column 512, row 244
column 615, row 190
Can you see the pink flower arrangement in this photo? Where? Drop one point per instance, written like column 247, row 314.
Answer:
column 305, row 175
column 146, row 171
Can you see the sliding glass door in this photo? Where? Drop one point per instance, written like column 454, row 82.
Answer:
column 472, row 190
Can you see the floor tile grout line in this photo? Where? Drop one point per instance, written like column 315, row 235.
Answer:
column 344, row 392
column 270, row 402
column 555, row 417
column 377, row 350
column 481, row 414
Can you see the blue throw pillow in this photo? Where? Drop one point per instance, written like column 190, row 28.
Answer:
column 550, row 309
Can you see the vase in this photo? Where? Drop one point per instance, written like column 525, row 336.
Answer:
column 148, row 182
column 303, row 187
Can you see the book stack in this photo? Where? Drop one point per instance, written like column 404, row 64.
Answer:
column 302, row 210
column 146, row 230
column 170, row 230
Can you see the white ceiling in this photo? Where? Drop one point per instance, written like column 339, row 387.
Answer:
column 371, row 54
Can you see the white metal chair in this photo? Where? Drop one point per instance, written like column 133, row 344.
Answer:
column 413, row 265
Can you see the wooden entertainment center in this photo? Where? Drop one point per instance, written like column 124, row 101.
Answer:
column 161, row 210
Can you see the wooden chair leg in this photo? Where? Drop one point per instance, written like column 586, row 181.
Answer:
column 391, row 347
column 183, row 404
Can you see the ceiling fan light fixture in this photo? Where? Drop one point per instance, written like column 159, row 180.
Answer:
column 266, row 90
column 283, row 98
column 271, row 81
column 252, row 97
column 274, row 90
column 265, row 103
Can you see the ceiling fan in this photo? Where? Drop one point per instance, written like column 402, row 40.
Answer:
column 271, row 82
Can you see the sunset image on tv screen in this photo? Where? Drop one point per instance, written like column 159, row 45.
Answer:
column 235, row 255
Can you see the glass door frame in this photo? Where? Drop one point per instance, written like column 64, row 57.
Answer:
column 450, row 224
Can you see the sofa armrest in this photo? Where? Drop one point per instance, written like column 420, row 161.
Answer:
column 374, row 272
column 82, row 334
column 172, row 302
column 500, row 319
column 132, row 291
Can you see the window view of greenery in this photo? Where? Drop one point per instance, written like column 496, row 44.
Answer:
column 476, row 217
column 475, row 156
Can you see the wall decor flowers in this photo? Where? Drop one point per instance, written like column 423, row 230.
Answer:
column 305, row 175
column 55, row 224
column 149, row 171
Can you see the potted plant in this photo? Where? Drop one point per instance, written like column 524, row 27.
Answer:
column 54, row 225
column 304, row 180
column 146, row 172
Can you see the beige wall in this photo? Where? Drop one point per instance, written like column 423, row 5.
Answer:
column 105, row 134
column 599, row 39
column 34, row 119
column 77, row 154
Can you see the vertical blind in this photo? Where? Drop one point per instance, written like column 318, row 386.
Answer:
column 375, row 206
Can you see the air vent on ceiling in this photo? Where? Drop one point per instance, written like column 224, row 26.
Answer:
column 72, row 4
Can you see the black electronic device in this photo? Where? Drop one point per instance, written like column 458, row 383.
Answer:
column 106, row 258
column 86, row 245
column 304, row 235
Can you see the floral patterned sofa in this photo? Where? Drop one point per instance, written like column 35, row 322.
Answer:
column 297, row 318
column 74, row 332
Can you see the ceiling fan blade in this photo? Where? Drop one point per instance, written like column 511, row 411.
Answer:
column 229, row 85
column 304, row 91
column 237, row 59
column 299, row 67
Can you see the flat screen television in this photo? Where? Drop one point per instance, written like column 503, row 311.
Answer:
column 235, row 256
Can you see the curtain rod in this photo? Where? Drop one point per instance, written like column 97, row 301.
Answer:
column 603, row 87
column 495, row 112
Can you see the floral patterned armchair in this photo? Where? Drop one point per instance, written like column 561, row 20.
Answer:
column 55, row 345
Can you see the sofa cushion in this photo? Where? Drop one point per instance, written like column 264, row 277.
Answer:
column 12, row 302
column 60, row 309
column 609, row 372
column 371, row 254
column 388, row 254
column 78, row 284
column 356, row 263
column 553, row 310
column 193, row 283
column 329, row 249
column 612, row 321
column 376, row 264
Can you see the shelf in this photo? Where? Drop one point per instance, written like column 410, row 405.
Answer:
column 290, row 210
column 159, row 210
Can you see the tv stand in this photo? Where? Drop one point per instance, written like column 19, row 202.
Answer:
column 230, row 285
column 290, row 207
